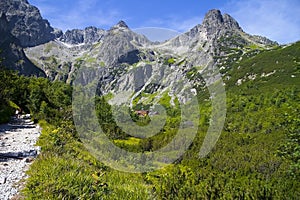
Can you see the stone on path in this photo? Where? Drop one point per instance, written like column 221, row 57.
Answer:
column 17, row 151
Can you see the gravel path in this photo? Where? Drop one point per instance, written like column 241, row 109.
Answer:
column 17, row 151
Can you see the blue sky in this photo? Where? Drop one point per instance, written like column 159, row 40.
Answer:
column 278, row 20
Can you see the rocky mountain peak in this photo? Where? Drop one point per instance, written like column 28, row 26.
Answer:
column 214, row 20
column 230, row 22
column 120, row 25
column 213, row 17
column 87, row 36
column 26, row 23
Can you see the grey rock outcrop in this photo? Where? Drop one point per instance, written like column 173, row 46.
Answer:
column 87, row 36
column 26, row 23
column 129, row 62
column 120, row 25
column 212, row 38
column 90, row 34
column 118, row 41
column 109, row 49
column 214, row 21
column 12, row 53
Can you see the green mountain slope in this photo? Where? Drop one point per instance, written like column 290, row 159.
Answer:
column 256, row 157
column 279, row 68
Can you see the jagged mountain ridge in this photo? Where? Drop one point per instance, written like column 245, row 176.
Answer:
column 60, row 58
column 198, row 47
column 128, row 61
column 88, row 35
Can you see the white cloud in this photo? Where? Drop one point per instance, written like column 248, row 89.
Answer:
column 278, row 20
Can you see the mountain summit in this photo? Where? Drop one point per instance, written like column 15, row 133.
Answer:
column 27, row 24
column 121, row 24
column 214, row 19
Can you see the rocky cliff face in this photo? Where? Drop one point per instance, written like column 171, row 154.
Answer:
column 118, row 41
column 214, row 22
column 87, row 36
column 60, row 58
column 26, row 24
column 215, row 30
column 124, row 61
column 129, row 62
column 12, row 53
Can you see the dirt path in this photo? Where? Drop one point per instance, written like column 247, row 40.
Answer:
column 17, row 151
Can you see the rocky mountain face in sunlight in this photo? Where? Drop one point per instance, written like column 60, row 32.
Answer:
column 88, row 35
column 26, row 23
column 125, row 60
